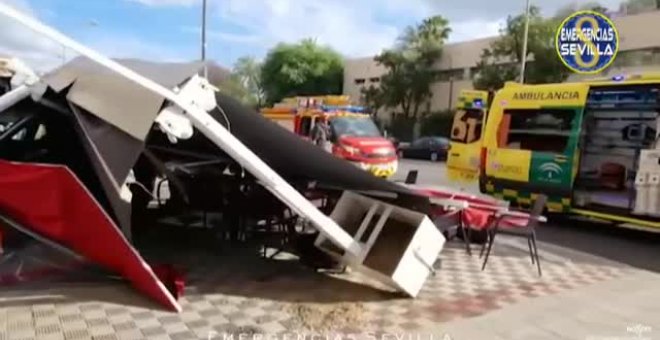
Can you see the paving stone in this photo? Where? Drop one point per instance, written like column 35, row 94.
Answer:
column 224, row 301
column 74, row 325
column 145, row 323
column 197, row 324
column 175, row 327
column 19, row 334
column 47, row 329
column 105, row 337
column 124, row 326
column 185, row 335
column 133, row 334
column 156, row 330
column 76, row 334
column 53, row 336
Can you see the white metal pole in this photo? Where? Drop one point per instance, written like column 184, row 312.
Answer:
column 523, row 60
column 204, row 7
column 14, row 96
column 212, row 130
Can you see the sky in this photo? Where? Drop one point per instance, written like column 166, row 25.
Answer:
column 169, row 30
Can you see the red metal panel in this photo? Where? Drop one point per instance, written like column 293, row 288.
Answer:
column 52, row 202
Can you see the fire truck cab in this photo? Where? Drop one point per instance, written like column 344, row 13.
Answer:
column 353, row 134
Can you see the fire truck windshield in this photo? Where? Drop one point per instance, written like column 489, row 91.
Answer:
column 354, row 127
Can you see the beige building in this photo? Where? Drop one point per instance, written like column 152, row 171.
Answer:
column 639, row 51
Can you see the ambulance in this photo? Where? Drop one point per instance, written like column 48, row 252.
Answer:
column 353, row 134
column 591, row 147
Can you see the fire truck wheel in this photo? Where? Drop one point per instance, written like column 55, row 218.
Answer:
column 434, row 157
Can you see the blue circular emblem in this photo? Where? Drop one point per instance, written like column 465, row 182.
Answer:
column 587, row 42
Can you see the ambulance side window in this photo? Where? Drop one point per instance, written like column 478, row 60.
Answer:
column 543, row 130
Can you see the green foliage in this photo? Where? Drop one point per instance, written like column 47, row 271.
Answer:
column 407, row 83
column 569, row 9
column 501, row 61
column 247, row 71
column 301, row 69
column 402, row 127
column 638, row 6
column 437, row 124
column 373, row 99
column 234, row 87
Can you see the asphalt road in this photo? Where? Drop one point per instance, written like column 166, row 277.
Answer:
column 565, row 236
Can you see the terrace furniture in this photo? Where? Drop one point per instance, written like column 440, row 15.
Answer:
column 518, row 224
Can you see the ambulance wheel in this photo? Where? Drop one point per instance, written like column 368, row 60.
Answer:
column 434, row 157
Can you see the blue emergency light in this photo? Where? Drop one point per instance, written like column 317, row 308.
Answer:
column 348, row 108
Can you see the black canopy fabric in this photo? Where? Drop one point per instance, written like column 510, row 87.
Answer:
column 293, row 157
column 113, row 118
column 113, row 115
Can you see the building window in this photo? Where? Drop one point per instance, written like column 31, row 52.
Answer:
column 642, row 57
column 374, row 79
column 474, row 71
column 359, row 81
column 447, row 75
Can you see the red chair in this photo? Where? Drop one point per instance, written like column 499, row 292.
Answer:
column 519, row 224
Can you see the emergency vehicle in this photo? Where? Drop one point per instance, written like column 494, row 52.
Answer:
column 591, row 147
column 353, row 134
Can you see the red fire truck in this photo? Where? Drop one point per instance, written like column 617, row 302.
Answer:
column 353, row 134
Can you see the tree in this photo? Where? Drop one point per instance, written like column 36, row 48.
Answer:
column 410, row 73
column 301, row 69
column 247, row 71
column 501, row 61
column 569, row 9
column 234, row 87
column 638, row 6
column 372, row 98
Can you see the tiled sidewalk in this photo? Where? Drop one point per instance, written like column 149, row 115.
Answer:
column 243, row 294
column 619, row 309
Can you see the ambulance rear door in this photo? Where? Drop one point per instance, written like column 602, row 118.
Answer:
column 463, row 158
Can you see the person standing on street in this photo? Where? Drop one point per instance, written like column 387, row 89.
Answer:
column 321, row 132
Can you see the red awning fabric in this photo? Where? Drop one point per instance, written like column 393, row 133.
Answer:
column 457, row 196
column 50, row 201
column 480, row 211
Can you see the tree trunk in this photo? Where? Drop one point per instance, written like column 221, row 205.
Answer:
column 416, row 110
column 405, row 107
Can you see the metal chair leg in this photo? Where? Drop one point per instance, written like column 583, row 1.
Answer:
column 536, row 253
column 483, row 246
column 490, row 247
column 531, row 251
column 466, row 237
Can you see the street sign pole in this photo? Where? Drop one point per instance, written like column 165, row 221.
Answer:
column 204, row 6
column 523, row 59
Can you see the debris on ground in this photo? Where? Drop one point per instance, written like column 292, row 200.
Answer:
column 326, row 317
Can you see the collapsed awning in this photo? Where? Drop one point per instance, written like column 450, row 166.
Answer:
column 116, row 118
column 97, row 119
column 52, row 203
column 114, row 115
column 109, row 113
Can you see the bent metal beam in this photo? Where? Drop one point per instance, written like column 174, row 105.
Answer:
column 213, row 130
